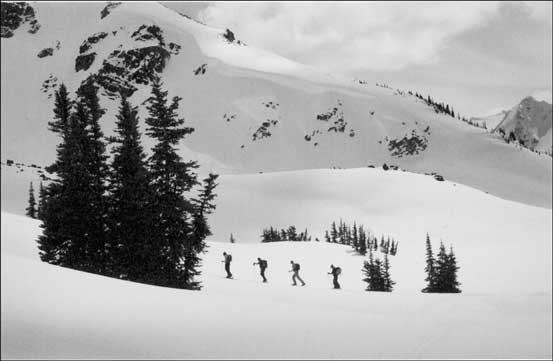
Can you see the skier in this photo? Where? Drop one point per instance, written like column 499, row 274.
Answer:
column 335, row 272
column 262, row 267
column 228, row 259
column 296, row 269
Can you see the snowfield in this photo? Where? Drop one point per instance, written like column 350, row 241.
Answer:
column 502, row 247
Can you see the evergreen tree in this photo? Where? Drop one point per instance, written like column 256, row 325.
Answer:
column 305, row 236
column 96, row 162
column 31, row 211
column 430, row 267
column 451, row 275
column 333, row 233
column 171, row 178
column 368, row 267
column 378, row 278
column 232, row 240
column 441, row 270
column 388, row 283
column 41, row 200
column 327, row 237
column 63, row 240
column 62, row 111
column 291, row 234
column 283, row 237
column 355, row 237
column 362, row 241
column 374, row 274
column 204, row 206
column 130, row 212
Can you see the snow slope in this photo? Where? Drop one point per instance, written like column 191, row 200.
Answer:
column 503, row 249
column 490, row 121
column 239, row 92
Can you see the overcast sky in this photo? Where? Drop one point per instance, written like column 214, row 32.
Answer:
column 478, row 56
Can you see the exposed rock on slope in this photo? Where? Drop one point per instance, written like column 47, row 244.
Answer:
column 529, row 123
column 15, row 14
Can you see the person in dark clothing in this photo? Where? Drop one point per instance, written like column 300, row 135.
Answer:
column 262, row 267
column 296, row 270
column 335, row 272
column 228, row 259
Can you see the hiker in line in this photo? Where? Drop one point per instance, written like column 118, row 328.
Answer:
column 228, row 259
column 262, row 267
column 335, row 272
column 296, row 269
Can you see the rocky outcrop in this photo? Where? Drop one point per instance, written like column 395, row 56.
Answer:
column 231, row 39
column 108, row 8
column 14, row 15
column 123, row 69
column 407, row 145
column 83, row 62
column 45, row 52
column 91, row 40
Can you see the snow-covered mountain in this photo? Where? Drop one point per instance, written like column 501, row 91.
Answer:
column 253, row 110
column 529, row 123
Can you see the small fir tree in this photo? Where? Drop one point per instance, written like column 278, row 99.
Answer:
column 31, row 211
column 430, row 267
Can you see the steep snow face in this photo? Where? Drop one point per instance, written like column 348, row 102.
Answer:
column 503, row 249
column 253, row 111
column 530, row 123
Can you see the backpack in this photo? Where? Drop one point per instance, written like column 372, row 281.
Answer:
column 263, row 263
column 229, row 258
column 338, row 271
column 296, row 267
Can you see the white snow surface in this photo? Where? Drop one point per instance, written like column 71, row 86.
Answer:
column 502, row 247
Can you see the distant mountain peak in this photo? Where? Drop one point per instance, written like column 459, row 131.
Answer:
column 529, row 123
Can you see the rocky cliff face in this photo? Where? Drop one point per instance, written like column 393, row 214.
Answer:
column 529, row 123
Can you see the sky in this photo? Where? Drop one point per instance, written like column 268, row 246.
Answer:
column 480, row 57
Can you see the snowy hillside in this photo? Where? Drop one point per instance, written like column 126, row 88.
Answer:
column 489, row 122
column 253, row 111
column 530, row 123
column 503, row 249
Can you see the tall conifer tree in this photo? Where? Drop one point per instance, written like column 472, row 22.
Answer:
column 171, row 179
column 129, row 204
